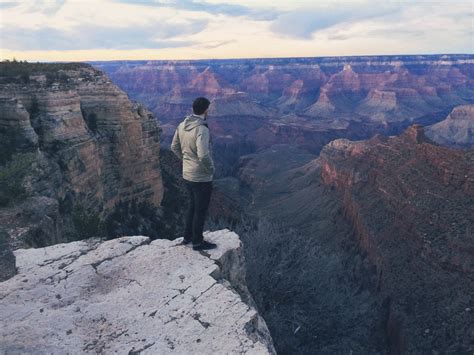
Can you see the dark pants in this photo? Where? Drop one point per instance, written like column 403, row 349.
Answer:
column 199, row 197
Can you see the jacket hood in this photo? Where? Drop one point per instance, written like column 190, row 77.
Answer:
column 192, row 121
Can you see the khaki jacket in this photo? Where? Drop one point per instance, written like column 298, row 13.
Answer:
column 191, row 143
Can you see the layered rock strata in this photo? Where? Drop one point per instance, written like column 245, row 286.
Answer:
column 410, row 202
column 304, row 101
column 382, row 89
column 84, row 146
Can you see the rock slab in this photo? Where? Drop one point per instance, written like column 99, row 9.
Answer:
column 131, row 295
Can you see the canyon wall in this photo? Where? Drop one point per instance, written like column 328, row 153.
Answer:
column 381, row 226
column 78, row 159
column 350, row 227
column 304, row 101
column 411, row 204
column 311, row 283
column 372, row 247
column 73, row 146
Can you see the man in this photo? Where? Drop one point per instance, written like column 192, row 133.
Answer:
column 191, row 144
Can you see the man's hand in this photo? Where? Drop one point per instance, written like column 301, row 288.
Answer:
column 203, row 152
column 176, row 145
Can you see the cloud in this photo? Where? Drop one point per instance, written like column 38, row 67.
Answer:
column 303, row 23
column 181, row 29
column 8, row 4
column 154, row 36
column 389, row 33
column 215, row 44
column 47, row 7
column 210, row 8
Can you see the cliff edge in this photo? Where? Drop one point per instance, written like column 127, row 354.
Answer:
column 77, row 157
column 131, row 295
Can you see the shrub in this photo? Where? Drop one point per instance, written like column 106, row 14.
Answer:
column 19, row 72
column 50, row 79
column 25, row 78
column 3, row 239
column 34, row 107
column 132, row 218
column 6, row 146
column 7, row 258
column 87, row 222
column 12, row 175
column 91, row 121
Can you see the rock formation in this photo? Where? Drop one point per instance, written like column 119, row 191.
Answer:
column 72, row 147
column 318, row 297
column 383, row 225
column 457, row 130
column 410, row 203
column 304, row 101
column 131, row 295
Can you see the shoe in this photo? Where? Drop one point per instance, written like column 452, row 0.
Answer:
column 186, row 241
column 204, row 245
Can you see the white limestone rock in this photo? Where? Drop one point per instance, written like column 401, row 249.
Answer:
column 131, row 295
column 457, row 130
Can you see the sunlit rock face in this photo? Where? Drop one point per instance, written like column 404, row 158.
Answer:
column 457, row 130
column 83, row 143
column 307, row 102
column 380, row 91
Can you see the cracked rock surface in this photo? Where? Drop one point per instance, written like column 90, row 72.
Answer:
column 131, row 295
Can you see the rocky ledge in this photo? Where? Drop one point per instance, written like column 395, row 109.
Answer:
column 131, row 295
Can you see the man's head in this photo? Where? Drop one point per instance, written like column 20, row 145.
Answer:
column 200, row 105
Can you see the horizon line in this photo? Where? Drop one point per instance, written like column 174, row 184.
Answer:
column 244, row 58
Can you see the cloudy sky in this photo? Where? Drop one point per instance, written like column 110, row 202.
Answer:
column 66, row 30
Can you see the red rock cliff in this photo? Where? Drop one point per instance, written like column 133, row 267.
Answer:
column 410, row 203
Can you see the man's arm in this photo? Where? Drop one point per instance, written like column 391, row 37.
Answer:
column 202, row 146
column 176, row 145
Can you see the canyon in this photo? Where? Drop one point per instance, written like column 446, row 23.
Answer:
column 349, row 181
column 374, row 241
column 360, row 168
column 302, row 101
column 80, row 167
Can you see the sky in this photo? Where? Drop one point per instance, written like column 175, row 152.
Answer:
column 86, row 30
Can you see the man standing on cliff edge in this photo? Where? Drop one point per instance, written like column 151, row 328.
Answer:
column 191, row 143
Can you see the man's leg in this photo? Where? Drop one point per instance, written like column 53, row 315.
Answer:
column 203, row 192
column 188, row 230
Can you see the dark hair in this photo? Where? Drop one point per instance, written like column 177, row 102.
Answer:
column 200, row 105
